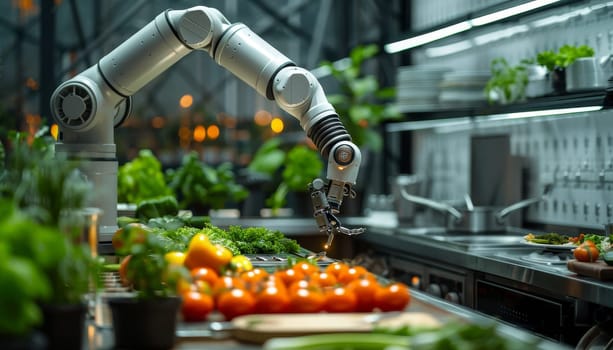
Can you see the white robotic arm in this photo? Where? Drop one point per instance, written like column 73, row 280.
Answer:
column 89, row 106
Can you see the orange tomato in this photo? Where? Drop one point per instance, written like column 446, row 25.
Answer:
column 289, row 276
column 364, row 290
column 392, row 297
column 273, row 298
column 337, row 268
column 340, row 299
column 235, row 302
column 324, row 279
column 586, row 252
column 353, row 273
column 196, row 306
column 202, row 253
column 306, row 268
column 303, row 300
column 206, row 274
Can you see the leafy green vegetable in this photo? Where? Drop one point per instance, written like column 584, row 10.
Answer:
column 141, row 179
column 239, row 240
column 603, row 243
column 268, row 158
column 565, row 56
column 196, row 184
column 157, row 207
column 459, row 336
column 508, row 82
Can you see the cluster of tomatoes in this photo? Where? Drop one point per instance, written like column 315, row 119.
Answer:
column 230, row 285
column 302, row 288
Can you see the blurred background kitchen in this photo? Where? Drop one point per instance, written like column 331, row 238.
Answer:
column 498, row 106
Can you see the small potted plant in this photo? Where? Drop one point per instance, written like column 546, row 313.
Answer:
column 149, row 319
column 44, row 188
column 507, row 83
column 557, row 62
column 200, row 187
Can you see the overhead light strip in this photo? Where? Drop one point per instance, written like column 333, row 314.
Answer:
column 463, row 26
column 464, row 121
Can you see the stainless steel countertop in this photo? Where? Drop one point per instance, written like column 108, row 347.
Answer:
column 493, row 261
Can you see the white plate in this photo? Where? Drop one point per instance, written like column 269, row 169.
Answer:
column 567, row 246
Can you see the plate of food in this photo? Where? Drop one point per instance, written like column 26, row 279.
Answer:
column 553, row 241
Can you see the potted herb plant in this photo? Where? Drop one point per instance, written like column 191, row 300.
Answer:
column 44, row 189
column 200, row 187
column 148, row 320
column 507, row 83
column 557, row 62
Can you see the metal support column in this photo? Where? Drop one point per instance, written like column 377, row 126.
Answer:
column 47, row 56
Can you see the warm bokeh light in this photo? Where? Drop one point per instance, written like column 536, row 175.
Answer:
column 186, row 101
column 184, row 133
column 199, row 133
column 212, row 132
column 262, row 118
column 158, row 122
column 55, row 130
column 32, row 84
column 277, row 125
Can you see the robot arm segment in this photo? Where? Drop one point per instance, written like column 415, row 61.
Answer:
column 85, row 105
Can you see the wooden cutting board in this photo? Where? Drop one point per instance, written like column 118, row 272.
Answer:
column 598, row 269
column 259, row 328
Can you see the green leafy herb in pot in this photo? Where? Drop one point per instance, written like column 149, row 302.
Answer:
column 141, row 179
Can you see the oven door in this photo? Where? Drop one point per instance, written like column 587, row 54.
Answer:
column 546, row 315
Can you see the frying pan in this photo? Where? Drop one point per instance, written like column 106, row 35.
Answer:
column 475, row 219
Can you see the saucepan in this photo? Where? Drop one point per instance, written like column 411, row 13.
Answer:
column 475, row 219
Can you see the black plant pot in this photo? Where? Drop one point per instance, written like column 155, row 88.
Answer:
column 32, row 341
column 144, row 324
column 558, row 80
column 64, row 325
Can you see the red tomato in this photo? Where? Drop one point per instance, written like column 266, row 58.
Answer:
column 226, row 283
column 364, row 290
column 586, row 251
column 272, row 299
column 393, row 297
column 340, row 299
column 196, row 306
column 235, row 302
column 205, row 274
column 305, row 300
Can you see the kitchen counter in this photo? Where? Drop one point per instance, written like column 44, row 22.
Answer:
column 199, row 337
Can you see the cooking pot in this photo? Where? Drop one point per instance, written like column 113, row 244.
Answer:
column 474, row 219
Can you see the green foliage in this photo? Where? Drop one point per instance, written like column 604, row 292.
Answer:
column 239, row 240
column 508, row 82
column 197, row 184
column 38, row 264
column 149, row 272
column 157, row 207
column 42, row 183
column 268, row 158
column 361, row 103
column 566, row 55
column 141, row 179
